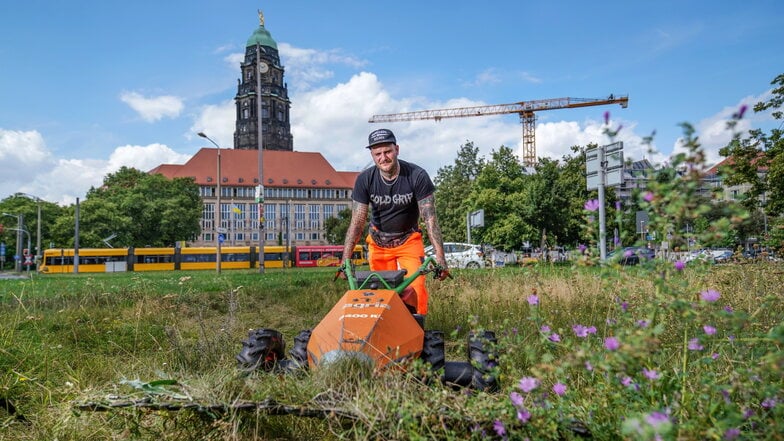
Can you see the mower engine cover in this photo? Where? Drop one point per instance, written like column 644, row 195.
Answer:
column 373, row 325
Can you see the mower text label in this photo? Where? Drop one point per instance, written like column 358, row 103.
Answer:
column 366, row 305
column 360, row 316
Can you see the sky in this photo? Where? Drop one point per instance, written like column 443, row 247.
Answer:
column 89, row 86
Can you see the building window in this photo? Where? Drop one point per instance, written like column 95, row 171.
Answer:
column 270, row 236
column 269, row 216
column 254, row 216
column 328, row 211
column 314, row 216
column 314, row 236
column 342, row 207
column 299, row 217
column 299, row 236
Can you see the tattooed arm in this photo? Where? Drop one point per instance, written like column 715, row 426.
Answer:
column 359, row 214
column 427, row 209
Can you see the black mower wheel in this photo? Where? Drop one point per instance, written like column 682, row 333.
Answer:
column 299, row 352
column 262, row 350
column 484, row 358
column 433, row 350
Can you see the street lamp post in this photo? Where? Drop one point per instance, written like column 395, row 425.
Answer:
column 218, row 229
column 38, row 254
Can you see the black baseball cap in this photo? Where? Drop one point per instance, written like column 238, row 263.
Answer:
column 381, row 136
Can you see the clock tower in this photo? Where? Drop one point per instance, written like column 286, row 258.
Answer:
column 262, row 81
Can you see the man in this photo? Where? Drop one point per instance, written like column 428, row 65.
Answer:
column 398, row 192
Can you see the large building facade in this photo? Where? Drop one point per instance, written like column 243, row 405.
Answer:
column 301, row 190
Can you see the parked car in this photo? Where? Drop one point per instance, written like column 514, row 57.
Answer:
column 722, row 256
column 461, row 255
column 631, row 255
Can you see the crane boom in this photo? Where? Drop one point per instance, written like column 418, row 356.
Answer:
column 525, row 109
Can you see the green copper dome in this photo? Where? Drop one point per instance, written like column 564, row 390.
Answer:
column 261, row 36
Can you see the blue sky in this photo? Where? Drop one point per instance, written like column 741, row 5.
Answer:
column 89, row 86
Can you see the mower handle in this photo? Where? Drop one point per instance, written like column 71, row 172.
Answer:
column 428, row 265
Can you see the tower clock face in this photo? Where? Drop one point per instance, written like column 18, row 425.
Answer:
column 263, row 67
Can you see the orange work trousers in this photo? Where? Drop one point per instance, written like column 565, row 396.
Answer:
column 408, row 256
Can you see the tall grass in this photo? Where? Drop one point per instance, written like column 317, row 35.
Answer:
column 617, row 352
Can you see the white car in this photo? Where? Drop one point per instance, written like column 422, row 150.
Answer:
column 461, row 255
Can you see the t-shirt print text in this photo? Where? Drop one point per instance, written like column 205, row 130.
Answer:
column 395, row 199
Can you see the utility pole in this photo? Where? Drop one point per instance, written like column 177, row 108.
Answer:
column 261, row 67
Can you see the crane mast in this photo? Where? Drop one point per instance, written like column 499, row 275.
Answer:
column 525, row 109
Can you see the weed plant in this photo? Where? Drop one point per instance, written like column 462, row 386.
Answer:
column 663, row 350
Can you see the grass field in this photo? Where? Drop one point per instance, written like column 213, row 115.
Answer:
column 618, row 353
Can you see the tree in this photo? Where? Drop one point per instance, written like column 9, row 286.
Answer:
column 141, row 209
column 337, row 226
column 453, row 186
column 498, row 191
column 20, row 204
column 760, row 151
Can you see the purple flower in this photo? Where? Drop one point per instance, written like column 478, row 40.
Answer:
column 588, row 366
column 728, row 309
column 650, row 374
column 592, row 204
column 516, row 399
column 647, row 196
column 715, row 356
column 731, row 433
column 617, row 205
column 694, row 345
column 709, row 330
column 533, row 299
column 582, row 248
column 544, row 329
column 710, row 295
column 768, row 403
column 559, row 389
column 523, row 415
column 554, row 337
column 527, row 384
column 679, row 265
column 642, row 323
column 741, row 111
column 655, row 419
column 607, row 117
column 499, row 428
column 612, row 343
column 580, row 331
column 627, row 381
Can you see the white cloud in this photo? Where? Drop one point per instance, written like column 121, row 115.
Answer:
column 217, row 122
column 154, row 108
column 307, row 67
column 713, row 132
column 36, row 172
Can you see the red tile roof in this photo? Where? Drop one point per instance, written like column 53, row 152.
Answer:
column 240, row 168
column 730, row 161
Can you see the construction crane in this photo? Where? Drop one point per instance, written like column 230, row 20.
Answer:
column 525, row 109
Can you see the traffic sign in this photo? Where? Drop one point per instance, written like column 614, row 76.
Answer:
column 221, row 238
column 221, row 230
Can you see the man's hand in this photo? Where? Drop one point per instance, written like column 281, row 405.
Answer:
column 443, row 274
column 341, row 273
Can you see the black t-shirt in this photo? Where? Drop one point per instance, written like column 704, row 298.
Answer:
column 395, row 207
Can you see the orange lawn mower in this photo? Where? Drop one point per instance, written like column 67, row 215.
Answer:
column 375, row 322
